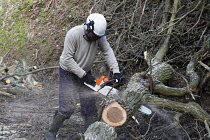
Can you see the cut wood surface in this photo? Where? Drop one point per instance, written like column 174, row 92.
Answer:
column 114, row 114
column 133, row 97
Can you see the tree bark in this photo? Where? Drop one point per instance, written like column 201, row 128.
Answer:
column 189, row 108
column 164, row 48
column 133, row 97
column 100, row 131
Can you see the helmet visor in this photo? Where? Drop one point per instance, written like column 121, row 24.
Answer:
column 90, row 36
column 105, row 33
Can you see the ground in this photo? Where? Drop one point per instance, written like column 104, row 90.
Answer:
column 27, row 117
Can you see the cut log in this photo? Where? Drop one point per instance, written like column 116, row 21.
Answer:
column 10, row 80
column 114, row 114
column 100, row 131
column 132, row 98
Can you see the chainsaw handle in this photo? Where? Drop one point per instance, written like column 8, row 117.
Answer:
column 109, row 82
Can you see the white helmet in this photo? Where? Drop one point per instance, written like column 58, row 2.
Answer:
column 96, row 23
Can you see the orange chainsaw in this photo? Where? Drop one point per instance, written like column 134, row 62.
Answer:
column 107, row 86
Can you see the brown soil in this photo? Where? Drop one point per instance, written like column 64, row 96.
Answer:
column 27, row 117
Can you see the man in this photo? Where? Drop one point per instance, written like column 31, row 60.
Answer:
column 80, row 47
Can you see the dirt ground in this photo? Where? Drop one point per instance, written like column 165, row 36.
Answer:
column 27, row 117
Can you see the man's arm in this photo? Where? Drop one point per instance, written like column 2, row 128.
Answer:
column 67, row 58
column 109, row 55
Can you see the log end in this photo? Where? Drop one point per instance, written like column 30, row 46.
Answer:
column 114, row 114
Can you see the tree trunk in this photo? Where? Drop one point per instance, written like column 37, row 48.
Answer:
column 133, row 97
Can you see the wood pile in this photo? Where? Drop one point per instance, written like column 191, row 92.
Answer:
column 17, row 78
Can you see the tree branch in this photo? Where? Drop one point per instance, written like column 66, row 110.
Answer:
column 24, row 74
column 164, row 48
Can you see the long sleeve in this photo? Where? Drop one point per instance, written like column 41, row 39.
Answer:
column 67, row 58
column 78, row 54
column 109, row 55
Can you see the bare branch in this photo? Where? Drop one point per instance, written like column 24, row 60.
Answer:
column 164, row 48
column 204, row 65
column 24, row 74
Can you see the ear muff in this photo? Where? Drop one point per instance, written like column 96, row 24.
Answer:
column 89, row 26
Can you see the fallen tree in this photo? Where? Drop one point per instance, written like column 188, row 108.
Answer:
column 135, row 95
column 141, row 86
column 138, row 93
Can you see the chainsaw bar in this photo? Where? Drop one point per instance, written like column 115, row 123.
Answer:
column 105, row 90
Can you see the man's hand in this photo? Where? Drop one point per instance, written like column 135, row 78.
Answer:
column 118, row 77
column 89, row 79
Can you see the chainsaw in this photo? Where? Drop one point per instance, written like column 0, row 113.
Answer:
column 107, row 86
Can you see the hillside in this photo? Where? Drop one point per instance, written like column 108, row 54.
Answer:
column 35, row 29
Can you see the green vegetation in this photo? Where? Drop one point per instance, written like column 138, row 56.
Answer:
column 35, row 29
column 14, row 27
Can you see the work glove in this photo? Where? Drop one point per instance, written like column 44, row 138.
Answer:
column 89, row 79
column 119, row 79
column 117, row 76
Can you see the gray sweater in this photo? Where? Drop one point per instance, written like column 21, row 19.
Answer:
column 79, row 54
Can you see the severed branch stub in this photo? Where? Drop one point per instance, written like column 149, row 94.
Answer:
column 114, row 115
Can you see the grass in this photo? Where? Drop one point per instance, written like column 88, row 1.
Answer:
column 32, row 26
column 15, row 18
column 14, row 29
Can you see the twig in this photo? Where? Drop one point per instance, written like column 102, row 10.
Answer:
column 136, row 138
column 197, row 45
column 155, row 15
column 133, row 15
column 7, row 53
column 188, row 87
column 24, row 74
column 176, row 117
column 142, row 13
column 93, row 6
column 207, row 128
column 198, row 18
column 149, row 125
column 167, row 128
column 181, row 18
column 118, row 5
column 52, row 2
column 204, row 65
column 204, row 80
